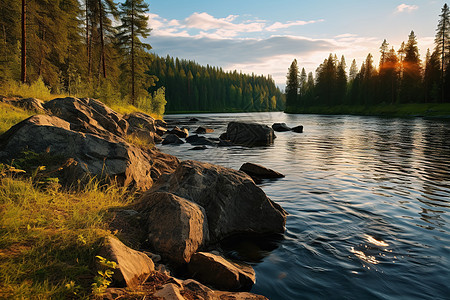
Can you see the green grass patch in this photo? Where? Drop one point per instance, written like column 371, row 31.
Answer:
column 10, row 115
column 49, row 238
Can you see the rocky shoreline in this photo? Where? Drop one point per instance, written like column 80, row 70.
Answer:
column 185, row 209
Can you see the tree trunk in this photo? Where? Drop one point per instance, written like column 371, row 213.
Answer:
column 23, row 75
column 443, row 60
column 88, row 50
column 132, row 56
column 102, row 41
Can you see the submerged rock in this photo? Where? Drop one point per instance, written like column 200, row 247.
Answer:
column 232, row 202
column 280, row 127
column 200, row 140
column 217, row 271
column 249, row 134
column 298, row 129
column 259, row 172
column 180, row 132
column 203, row 130
column 172, row 139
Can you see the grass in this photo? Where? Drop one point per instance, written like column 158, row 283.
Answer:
column 49, row 238
column 390, row 110
column 10, row 115
column 36, row 89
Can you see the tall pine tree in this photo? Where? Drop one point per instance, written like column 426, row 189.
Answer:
column 134, row 25
column 292, row 84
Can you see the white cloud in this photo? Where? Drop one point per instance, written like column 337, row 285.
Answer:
column 406, row 8
column 278, row 25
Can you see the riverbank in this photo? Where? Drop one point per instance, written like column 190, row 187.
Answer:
column 83, row 181
column 427, row 110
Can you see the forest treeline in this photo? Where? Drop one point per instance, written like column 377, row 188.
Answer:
column 400, row 77
column 192, row 87
column 97, row 48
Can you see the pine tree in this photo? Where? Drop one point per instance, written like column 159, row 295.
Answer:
column 134, row 25
column 410, row 90
column 341, row 81
column 442, row 42
column 353, row 71
column 292, row 84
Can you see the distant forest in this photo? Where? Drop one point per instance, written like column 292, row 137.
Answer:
column 192, row 87
column 96, row 48
column 401, row 76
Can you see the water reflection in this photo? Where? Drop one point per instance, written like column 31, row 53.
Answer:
column 369, row 203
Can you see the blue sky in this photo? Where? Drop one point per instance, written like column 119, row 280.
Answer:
column 265, row 36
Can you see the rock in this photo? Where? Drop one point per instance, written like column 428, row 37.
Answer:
column 280, row 127
column 249, row 134
column 224, row 136
column 177, row 228
column 232, row 201
column 225, row 143
column 298, row 129
column 160, row 130
column 89, row 116
column 105, row 156
column 200, row 140
column 239, row 296
column 180, row 132
column 221, row 273
column 199, row 148
column 172, row 139
column 140, row 120
column 133, row 267
column 199, row 289
column 193, row 120
column 161, row 123
column 259, row 172
column 30, row 104
column 203, row 130
column 143, row 136
column 169, row 292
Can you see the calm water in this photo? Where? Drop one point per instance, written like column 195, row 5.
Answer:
column 368, row 201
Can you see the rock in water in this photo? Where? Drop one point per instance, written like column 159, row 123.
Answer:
column 176, row 227
column 232, row 201
column 133, row 267
column 203, row 130
column 259, row 172
column 280, row 127
column 180, row 132
column 172, row 139
column 197, row 140
column 221, row 273
column 105, row 155
column 298, row 129
column 249, row 134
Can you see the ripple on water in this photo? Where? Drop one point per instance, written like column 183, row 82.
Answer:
column 369, row 204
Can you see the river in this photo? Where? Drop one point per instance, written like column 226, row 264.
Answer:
column 368, row 201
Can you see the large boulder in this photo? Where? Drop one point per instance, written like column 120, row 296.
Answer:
column 232, row 201
column 217, row 271
column 177, row 228
column 103, row 155
column 89, row 116
column 249, row 134
column 133, row 267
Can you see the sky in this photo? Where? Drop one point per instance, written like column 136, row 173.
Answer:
column 264, row 36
